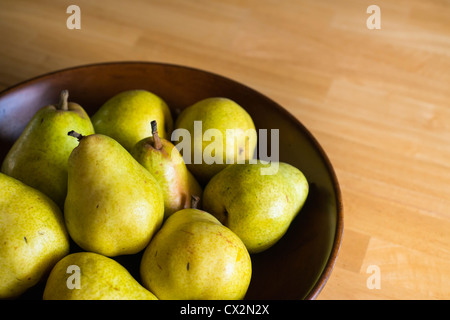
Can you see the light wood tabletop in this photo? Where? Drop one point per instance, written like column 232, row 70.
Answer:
column 372, row 84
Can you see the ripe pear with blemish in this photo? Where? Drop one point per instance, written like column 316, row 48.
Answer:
column 193, row 256
column 33, row 237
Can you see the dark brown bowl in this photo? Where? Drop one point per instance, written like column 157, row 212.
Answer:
column 298, row 266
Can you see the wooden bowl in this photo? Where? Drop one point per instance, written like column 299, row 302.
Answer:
column 298, row 266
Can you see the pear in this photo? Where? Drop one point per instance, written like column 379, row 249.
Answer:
column 162, row 159
column 91, row 276
column 33, row 236
column 39, row 156
column 193, row 256
column 125, row 117
column 221, row 132
column 113, row 205
column 258, row 207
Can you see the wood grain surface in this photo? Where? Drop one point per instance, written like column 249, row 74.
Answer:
column 378, row 101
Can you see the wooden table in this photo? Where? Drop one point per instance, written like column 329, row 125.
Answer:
column 378, row 101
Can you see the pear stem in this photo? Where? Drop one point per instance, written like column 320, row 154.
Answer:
column 63, row 100
column 194, row 201
column 74, row 134
column 156, row 138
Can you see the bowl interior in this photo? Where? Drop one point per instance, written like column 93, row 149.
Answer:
column 298, row 266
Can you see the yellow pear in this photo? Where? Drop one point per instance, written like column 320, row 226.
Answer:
column 113, row 205
column 91, row 276
column 125, row 117
column 221, row 132
column 193, row 256
column 32, row 236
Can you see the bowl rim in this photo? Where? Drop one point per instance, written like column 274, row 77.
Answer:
column 331, row 261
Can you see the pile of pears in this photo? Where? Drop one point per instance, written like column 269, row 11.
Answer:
column 114, row 184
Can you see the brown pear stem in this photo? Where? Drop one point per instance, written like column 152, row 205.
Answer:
column 74, row 134
column 156, row 138
column 194, row 201
column 63, row 100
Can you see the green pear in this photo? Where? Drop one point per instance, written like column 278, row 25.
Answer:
column 33, row 237
column 92, row 276
column 193, row 256
column 162, row 159
column 255, row 204
column 221, row 132
column 125, row 117
column 39, row 156
column 113, row 205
